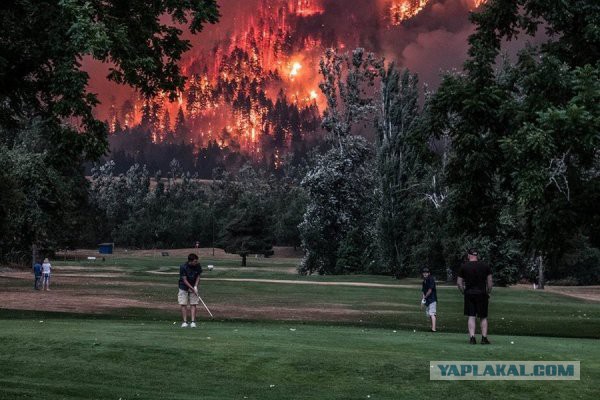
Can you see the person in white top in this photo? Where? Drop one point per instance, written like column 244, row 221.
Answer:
column 46, row 268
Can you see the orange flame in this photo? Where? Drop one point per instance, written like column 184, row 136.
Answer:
column 401, row 10
column 295, row 68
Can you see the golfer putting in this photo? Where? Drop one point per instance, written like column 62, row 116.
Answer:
column 189, row 277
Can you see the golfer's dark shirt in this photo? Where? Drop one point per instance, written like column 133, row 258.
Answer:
column 37, row 270
column 190, row 272
column 429, row 283
column 475, row 275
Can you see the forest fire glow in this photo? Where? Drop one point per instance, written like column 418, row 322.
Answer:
column 253, row 86
column 306, row 8
column 295, row 68
column 401, row 10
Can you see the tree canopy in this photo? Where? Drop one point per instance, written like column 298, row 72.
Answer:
column 46, row 111
column 526, row 133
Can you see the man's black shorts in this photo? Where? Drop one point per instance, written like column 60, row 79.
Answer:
column 476, row 305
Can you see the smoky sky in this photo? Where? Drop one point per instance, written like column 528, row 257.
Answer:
column 433, row 41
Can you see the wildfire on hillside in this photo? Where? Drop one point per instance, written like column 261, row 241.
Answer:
column 257, row 84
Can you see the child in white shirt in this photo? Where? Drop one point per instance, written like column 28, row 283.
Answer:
column 46, row 268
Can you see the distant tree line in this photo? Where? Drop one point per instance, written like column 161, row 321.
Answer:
column 136, row 146
column 245, row 214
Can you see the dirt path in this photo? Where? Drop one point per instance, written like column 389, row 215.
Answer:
column 591, row 293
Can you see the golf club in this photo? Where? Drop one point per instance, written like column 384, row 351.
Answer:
column 204, row 304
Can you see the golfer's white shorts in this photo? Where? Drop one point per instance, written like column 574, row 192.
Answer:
column 184, row 298
column 431, row 309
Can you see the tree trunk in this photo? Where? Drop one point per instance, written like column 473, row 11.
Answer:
column 540, row 272
column 34, row 254
column 243, row 260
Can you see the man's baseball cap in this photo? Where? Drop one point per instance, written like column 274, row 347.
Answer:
column 424, row 269
column 472, row 252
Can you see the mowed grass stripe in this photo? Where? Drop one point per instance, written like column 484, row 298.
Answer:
column 79, row 359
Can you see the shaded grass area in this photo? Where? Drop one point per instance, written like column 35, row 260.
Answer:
column 111, row 359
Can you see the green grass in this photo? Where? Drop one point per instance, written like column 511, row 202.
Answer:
column 513, row 311
column 109, row 359
column 137, row 353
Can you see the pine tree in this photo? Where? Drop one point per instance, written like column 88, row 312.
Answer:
column 166, row 124
column 128, row 113
column 180, row 126
column 146, row 121
column 155, row 119
column 193, row 92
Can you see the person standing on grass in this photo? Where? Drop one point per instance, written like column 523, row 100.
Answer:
column 37, row 275
column 189, row 276
column 46, row 268
column 475, row 283
column 429, row 299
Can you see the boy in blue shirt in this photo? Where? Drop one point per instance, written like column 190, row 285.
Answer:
column 429, row 299
column 189, row 276
column 37, row 274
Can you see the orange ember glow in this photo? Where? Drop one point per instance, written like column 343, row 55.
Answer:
column 295, row 68
column 305, row 8
column 401, row 10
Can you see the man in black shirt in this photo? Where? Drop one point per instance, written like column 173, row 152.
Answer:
column 475, row 283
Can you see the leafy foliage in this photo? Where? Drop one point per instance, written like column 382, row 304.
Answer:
column 401, row 172
column 523, row 170
column 338, row 228
column 47, row 126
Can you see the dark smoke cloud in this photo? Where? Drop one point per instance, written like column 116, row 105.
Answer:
column 433, row 41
